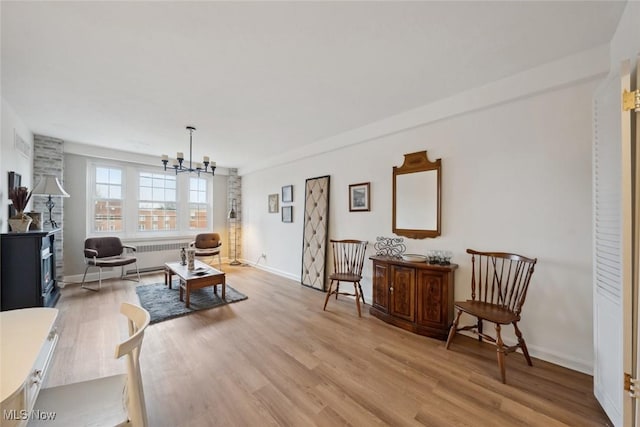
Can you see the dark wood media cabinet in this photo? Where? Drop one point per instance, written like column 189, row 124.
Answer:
column 28, row 270
column 415, row 296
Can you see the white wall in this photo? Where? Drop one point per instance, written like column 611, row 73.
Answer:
column 625, row 43
column 516, row 177
column 12, row 160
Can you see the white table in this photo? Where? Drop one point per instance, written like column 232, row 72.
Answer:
column 28, row 338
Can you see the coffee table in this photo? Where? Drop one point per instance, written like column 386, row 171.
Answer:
column 202, row 276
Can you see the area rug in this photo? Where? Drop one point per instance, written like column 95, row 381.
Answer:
column 163, row 303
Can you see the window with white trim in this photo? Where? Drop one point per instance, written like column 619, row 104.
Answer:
column 157, row 202
column 136, row 201
column 108, row 200
column 198, row 206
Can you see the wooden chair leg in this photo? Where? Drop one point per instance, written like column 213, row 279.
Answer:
column 500, row 353
column 355, row 286
column 326, row 300
column 453, row 329
column 522, row 344
column 337, row 289
column 480, row 329
column 361, row 294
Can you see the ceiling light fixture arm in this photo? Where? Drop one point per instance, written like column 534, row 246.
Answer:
column 179, row 166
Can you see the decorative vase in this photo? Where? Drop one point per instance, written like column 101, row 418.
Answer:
column 191, row 259
column 20, row 223
column 36, row 218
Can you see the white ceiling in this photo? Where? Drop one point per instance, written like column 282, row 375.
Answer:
column 261, row 79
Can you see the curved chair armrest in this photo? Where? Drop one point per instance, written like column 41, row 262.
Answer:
column 90, row 253
column 133, row 248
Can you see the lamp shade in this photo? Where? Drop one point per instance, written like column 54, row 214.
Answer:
column 50, row 186
column 233, row 212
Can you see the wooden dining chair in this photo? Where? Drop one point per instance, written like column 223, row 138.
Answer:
column 111, row 401
column 499, row 284
column 348, row 259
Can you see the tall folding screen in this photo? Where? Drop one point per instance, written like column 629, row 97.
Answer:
column 316, row 232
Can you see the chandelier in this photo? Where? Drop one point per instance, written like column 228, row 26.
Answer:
column 179, row 165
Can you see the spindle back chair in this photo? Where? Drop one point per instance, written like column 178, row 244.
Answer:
column 499, row 285
column 348, row 260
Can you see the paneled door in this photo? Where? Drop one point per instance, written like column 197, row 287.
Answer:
column 634, row 118
column 613, row 198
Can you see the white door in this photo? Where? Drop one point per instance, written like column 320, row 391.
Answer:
column 634, row 122
column 613, row 243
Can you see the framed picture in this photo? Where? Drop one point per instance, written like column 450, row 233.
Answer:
column 21, row 146
column 287, row 214
column 359, row 197
column 287, row 193
column 273, row 203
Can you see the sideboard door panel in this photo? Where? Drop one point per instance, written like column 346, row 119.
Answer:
column 381, row 287
column 403, row 288
column 432, row 299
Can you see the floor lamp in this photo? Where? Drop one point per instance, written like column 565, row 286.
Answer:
column 50, row 186
column 233, row 214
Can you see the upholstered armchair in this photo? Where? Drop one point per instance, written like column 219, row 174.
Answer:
column 207, row 245
column 107, row 252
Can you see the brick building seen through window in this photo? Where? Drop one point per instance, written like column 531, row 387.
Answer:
column 109, row 218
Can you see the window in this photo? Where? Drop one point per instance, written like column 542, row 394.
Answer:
column 157, row 202
column 198, row 207
column 134, row 201
column 107, row 200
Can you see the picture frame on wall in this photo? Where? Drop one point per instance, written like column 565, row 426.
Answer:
column 287, row 214
column 21, row 146
column 359, row 197
column 273, row 203
column 287, row 193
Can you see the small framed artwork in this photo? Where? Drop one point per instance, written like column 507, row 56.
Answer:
column 359, row 199
column 287, row 214
column 287, row 193
column 273, row 203
column 23, row 147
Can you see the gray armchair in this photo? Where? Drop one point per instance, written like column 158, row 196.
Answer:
column 107, row 252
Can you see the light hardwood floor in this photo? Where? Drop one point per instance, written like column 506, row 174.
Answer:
column 278, row 359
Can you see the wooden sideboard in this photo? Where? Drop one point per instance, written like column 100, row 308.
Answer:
column 415, row 296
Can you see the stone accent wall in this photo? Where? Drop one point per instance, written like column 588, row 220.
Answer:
column 48, row 159
column 234, row 191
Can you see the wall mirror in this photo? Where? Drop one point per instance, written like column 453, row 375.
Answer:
column 416, row 197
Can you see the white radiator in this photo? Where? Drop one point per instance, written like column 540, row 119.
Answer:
column 152, row 255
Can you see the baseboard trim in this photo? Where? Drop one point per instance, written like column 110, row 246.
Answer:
column 550, row 356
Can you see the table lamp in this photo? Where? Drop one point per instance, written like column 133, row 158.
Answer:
column 50, row 186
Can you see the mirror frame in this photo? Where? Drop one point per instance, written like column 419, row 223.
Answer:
column 417, row 162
